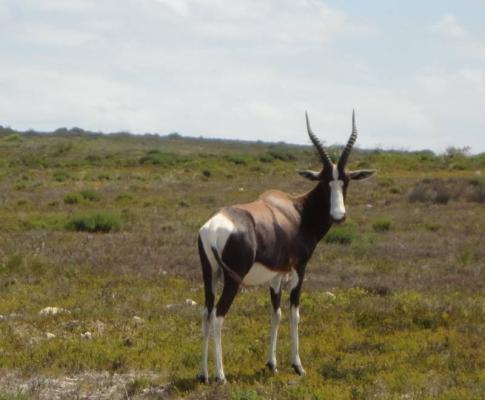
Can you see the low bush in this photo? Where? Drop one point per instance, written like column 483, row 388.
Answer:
column 60, row 176
column 238, row 159
column 100, row 222
column 14, row 137
column 72, row 198
column 272, row 155
column 125, row 196
column 440, row 191
column 344, row 234
column 90, row 195
column 382, row 225
column 477, row 193
column 246, row 394
column 157, row 157
column 430, row 191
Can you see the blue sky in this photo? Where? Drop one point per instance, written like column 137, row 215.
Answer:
column 414, row 71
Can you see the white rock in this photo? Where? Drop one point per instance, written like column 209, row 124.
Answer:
column 190, row 302
column 87, row 335
column 52, row 311
column 49, row 335
column 330, row 294
column 138, row 320
column 2, row 317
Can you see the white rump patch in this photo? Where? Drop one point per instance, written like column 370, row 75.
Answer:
column 214, row 234
column 337, row 207
column 258, row 274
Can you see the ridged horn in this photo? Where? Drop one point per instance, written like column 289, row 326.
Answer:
column 324, row 157
column 348, row 147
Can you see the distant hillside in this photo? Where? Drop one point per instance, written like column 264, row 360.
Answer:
column 77, row 147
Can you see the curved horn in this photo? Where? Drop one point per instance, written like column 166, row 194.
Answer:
column 348, row 147
column 319, row 146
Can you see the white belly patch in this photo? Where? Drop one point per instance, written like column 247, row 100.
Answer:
column 258, row 274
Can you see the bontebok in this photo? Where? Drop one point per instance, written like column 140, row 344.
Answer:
column 274, row 236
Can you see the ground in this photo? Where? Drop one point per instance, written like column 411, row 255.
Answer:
column 105, row 229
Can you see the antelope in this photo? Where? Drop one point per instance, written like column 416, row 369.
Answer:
column 268, row 239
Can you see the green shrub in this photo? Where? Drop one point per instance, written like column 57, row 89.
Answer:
column 93, row 158
column 100, row 222
column 136, row 386
column 125, row 196
column 72, row 198
column 386, row 181
column 14, row 396
column 60, row 176
column 90, row 195
column 246, row 395
column 14, row 263
column 272, row 155
column 184, row 203
column 14, row 137
column 266, row 158
column 382, row 225
column 157, row 157
column 282, row 155
column 238, row 159
column 432, row 227
column 344, row 234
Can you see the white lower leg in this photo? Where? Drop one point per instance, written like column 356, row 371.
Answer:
column 275, row 323
column 216, row 329
column 204, row 372
column 295, row 354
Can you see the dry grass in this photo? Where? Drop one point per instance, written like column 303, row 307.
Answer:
column 405, row 316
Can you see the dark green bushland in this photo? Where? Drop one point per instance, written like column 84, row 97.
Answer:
column 99, row 222
column 90, row 195
column 344, row 234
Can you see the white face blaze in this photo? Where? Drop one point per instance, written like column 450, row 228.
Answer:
column 337, row 207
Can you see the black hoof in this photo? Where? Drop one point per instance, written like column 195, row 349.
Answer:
column 272, row 367
column 220, row 381
column 298, row 369
column 203, row 379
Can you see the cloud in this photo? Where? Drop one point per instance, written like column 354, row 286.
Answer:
column 245, row 70
column 178, row 6
column 48, row 35
column 71, row 6
column 448, row 27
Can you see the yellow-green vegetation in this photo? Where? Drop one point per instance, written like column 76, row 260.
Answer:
column 104, row 228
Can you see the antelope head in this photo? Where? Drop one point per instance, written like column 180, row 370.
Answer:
column 335, row 177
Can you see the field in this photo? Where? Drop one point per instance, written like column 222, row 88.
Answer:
column 104, row 228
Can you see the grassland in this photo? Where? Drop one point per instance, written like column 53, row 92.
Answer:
column 104, row 227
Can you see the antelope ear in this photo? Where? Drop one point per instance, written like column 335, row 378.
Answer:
column 310, row 175
column 361, row 174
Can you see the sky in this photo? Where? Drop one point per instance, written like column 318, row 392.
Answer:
column 414, row 71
